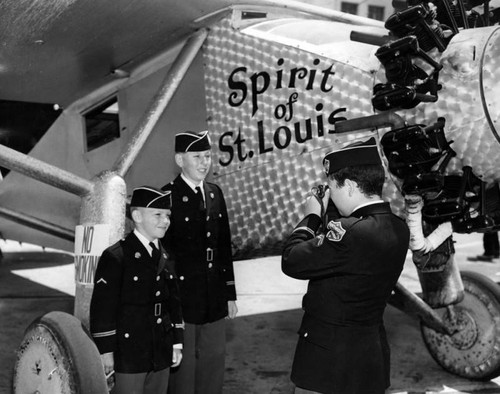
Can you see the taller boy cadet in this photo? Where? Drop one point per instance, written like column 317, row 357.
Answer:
column 199, row 239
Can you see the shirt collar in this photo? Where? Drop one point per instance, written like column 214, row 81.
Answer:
column 191, row 184
column 145, row 241
column 367, row 203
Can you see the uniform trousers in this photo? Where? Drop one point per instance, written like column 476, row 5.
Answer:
column 141, row 383
column 491, row 244
column 349, row 360
column 203, row 360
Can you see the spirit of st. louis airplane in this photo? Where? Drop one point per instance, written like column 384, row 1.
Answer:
column 103, row 87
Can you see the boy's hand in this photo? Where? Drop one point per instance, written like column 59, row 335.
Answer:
column 232, row 310
column 108, row 362
column 313, row 205
column 176, row 357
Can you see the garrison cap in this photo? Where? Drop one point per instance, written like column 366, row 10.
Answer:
column 189, row 141
column 150, row 197
column 357, row 154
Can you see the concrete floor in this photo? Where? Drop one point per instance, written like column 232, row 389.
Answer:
column 260, row 341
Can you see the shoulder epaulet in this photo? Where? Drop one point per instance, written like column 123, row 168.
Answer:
column 212, row 184
column 216, row 187
column 117, row 245
column 115, row 249
column 348, row 222
column 400, row 218
column 168, row 186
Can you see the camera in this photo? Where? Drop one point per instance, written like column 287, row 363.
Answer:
column 319, row 191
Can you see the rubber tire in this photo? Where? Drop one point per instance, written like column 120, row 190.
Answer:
column 64, row 338
column 481, row 305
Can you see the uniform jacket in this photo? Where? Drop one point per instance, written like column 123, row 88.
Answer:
column 200, row 241
column 135, row 309
column 352, row 267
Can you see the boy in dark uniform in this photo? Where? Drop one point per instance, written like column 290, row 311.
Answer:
column 199, row 240
column 352, row 267
column 135, row 311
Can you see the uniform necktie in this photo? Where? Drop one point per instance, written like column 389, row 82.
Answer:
column 201, row 201
column 155, row 254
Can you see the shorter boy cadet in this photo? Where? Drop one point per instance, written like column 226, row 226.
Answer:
column 352, row 267
column 135, row 310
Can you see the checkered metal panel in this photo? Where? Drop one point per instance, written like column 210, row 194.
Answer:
column 272, row 111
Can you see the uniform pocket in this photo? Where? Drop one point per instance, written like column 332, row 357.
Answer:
column 134, row 288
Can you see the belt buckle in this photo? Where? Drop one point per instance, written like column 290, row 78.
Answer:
column 158, row 309
column 210, row 254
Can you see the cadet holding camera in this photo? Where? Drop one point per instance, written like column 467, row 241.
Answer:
column 352, row 267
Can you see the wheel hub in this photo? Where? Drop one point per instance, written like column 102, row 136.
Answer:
column 465, row 329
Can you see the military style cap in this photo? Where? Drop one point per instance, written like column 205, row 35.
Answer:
column 357, row 154
column 150, row 197
column 189, row 141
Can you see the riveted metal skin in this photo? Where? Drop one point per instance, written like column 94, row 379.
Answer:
column 273, row 109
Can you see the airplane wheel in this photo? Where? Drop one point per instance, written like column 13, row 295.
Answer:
column 57, row 356
column 473, row 352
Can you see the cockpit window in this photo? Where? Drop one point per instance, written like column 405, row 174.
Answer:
column 325, row 38
column 102, row 124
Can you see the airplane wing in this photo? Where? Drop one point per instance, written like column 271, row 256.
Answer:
column 56, row 52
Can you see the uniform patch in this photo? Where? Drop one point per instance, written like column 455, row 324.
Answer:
column 137, row 255
column 336, row 231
